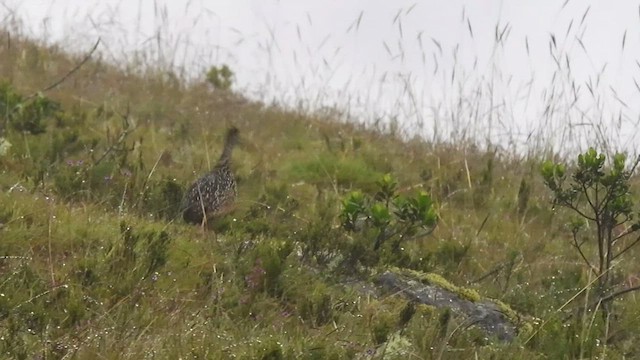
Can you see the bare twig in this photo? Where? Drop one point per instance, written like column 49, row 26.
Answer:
column 634, row 243
column 579, row 248
column 592, row 203
column 603, row 300
column 614, row 295
column 67, row 75
column 496, row 269
column 575, row 208
column 627, row 231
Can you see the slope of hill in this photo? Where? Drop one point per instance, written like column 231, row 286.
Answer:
column 97, row 263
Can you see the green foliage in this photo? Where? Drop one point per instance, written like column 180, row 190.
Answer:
column 524, row 193
column 318, row 307
column 271, row 213
column 383, row 326
column 450, row 254
column 220, row 77
column 388, row 187
column 482, row 192
column 328, row 169
column 353, row 207
column 271, row 351
column 577, row 339
column 407, row 313
column 322, row 241
column 600, row 195
column 266, row 267
column 136, row 256
column 392, row 216
column 26, row 115
column 163, row 199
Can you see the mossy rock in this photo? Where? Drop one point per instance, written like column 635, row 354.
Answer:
column 494, row 317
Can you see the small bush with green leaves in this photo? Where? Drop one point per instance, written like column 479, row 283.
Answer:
column 26, row 114
column 392, row 216
column 599, row 195
column 163, row 199
column 220, row 77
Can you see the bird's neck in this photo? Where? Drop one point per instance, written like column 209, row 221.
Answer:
column 225, row 157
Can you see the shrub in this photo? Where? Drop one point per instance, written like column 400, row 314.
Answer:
column 599, row 195
column 26, row 114
column 390, row 215
column 220, row 77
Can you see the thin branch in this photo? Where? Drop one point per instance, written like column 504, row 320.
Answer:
column 578, row 246
column 384, row 235
column 495, row 270
column 65, row 77
column 628, row 231
column 575, row 208
column 419, row 235
column 618, row 293
column 634, row 243
column 635, row 164
column 585, row 191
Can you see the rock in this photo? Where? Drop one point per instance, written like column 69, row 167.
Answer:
column 487, row 315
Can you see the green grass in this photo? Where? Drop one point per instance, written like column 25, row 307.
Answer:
column 95, row 261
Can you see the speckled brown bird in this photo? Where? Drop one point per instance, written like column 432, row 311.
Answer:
column 213, row 194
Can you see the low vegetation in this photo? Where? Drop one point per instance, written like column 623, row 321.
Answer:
column 97, row 263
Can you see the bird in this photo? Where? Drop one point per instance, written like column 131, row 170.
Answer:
column 213, row 194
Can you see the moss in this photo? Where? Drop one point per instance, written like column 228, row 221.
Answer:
column 397, row 347
column 507, row 311
column 425, row 310
column 435, row 279
column 524, row 326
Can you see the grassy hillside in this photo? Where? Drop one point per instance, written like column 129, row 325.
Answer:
column 97, row 262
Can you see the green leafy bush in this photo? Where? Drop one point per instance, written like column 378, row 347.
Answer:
column 392, row 216
column 163, row 199
column 600, row 195
column 220, row 77
column 26, row 114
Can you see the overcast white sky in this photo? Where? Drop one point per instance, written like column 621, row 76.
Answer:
column 409, row 60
